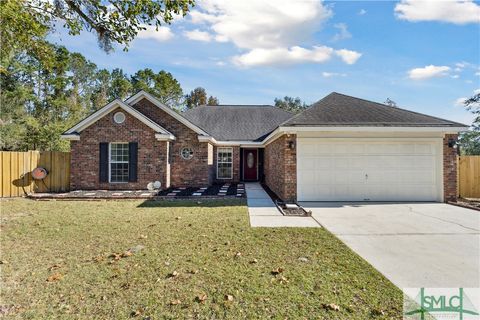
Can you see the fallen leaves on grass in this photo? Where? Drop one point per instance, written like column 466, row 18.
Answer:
column 142, row 236
column 174, row 274
column 253, row 261
column 238, row 255
column 55, row 277
column 331, row 306
column 54, row 267
column 201, row 298
column 175, row 302
column 193, row 271
column 98, row 259
column 126, row 254
column 277, row 271
column 228, row 298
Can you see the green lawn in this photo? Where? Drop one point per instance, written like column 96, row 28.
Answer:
column 194, row 255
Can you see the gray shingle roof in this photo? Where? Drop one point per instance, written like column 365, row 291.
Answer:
column 341, row 110
column 237, row 122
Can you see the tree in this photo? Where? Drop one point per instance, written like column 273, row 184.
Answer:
column 390, row 102
column 213, row 101
column 162, row 85
column 120, row 85
column 39, row 101
column 196, row 97
column 23, row 31
column 113, row 21
column 470, row 141
column 290, row 104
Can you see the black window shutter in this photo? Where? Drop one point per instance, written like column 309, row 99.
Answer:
column 133, row 160
column 103, row 168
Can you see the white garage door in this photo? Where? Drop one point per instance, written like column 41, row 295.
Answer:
column 369, row 169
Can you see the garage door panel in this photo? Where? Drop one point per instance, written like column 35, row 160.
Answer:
column 375, row 170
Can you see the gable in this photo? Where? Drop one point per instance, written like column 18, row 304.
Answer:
column 73, row 132
column 153, row 108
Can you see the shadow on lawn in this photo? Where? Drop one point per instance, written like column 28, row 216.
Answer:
column 207, row 203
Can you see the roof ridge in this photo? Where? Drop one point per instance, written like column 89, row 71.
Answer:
column 397, row 108
column 238, row 105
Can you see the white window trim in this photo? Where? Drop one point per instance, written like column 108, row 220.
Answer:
column 110, row 162
column 231, row 168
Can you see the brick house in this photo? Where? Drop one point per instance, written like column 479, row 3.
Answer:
column 340, row 149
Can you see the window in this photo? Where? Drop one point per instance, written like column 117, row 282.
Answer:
column 187, row 153
column 118, row 162
column 224, row 163
column 119, row 117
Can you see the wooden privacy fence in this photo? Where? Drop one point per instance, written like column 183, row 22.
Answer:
column 469, row 176
column 16, row 178
column 16, row 168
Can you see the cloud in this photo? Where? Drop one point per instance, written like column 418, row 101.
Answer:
column 362, row 12
column 427, row 72
column 253, row 24
column 333, row 74
column 455, row 76
column 460, row 102
column 348, row 56
column 269, row 32
column 342, row 32
column 458, row 11
column 151, row 33
column 283, row 56
column 198, row 35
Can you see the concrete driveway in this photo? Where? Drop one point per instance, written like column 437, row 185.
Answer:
column 413, row 244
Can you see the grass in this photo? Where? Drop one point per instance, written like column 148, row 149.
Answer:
column 210, row 248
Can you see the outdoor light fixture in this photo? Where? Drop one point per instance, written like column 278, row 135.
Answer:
column 291, row 145
column 452, row 143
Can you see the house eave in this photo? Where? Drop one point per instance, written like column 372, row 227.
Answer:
column 294, row 129
column 164, row 137
column 223, row 143
column 70, row 136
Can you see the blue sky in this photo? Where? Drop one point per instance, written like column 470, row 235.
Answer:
column 423, row 55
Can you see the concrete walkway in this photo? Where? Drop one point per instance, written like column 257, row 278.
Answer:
column 264, row 213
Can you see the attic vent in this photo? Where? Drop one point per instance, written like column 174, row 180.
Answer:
column 119, row 117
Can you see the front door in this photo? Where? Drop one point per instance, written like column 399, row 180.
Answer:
column 250, row 164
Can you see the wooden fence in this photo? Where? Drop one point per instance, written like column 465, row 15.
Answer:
column 469, row 176
column 16, row 168
column 16, row 178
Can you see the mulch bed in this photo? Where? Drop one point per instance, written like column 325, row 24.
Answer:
column 299, row 211
column 213, row 190
column 216, row 191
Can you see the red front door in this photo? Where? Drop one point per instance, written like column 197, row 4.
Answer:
column 250, row 164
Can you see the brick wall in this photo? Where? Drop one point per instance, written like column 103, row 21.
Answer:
column 280, row 167
column 236, row 166
column 192, row 172
column 152, row 154
column 449, row 169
